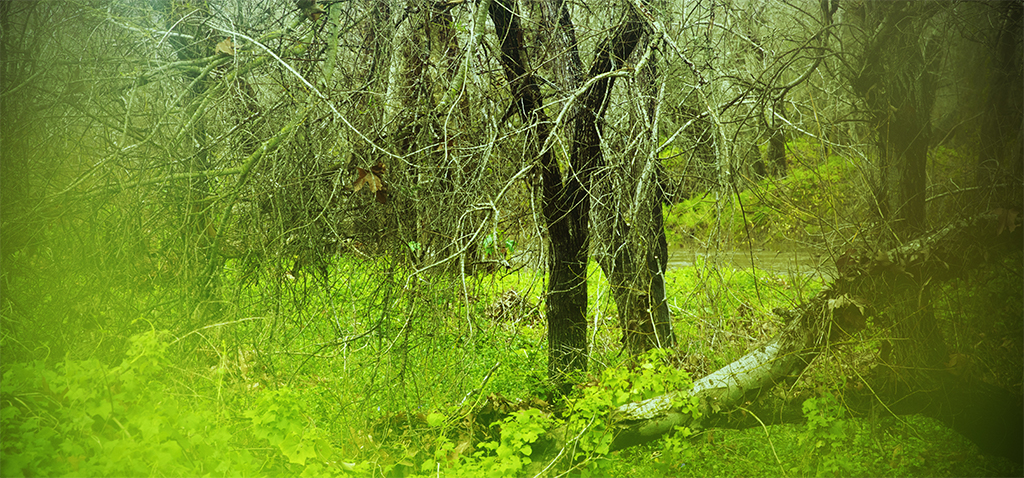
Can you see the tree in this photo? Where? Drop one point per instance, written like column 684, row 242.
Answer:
column 896, row 76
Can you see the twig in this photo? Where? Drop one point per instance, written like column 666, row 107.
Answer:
column 772, row 445
column 483, row 383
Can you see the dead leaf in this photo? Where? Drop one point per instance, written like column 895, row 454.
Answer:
column 311, row 9
column 836, row 303
column 225, row 47
column 882, row 258
column 373, row 180
column 843, row 301
column 368, row 179
column 958, row 364
column 379, row 169
column 1007, row 219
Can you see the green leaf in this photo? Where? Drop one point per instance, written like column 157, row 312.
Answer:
column 435, row 419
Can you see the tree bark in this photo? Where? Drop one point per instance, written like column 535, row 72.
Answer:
column 201, row 232
column 634, row 256
column 897, row 79
column 1001, row 131
column 565, row 207
column 776, row 154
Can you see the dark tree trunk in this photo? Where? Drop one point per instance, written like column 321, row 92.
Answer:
column 634, row 266
column 566, row 201
column 200, row 232
column 566, row 206
column 1001, row 132
column 897, row 78
column 776, row 154
column 657, row 264
column 639, row 288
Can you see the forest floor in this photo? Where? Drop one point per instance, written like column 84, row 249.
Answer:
column 280, row 394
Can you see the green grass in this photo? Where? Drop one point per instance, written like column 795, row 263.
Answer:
column 798, row 207
column 367, row 376
column 905, row 446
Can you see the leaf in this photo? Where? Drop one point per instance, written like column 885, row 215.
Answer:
column 435, row 419
column 225, row 47
column 1007, row 219
column 368, row 179
column 373, row 180
column 837, row 303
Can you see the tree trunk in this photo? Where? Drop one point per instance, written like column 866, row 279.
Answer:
column 634, row 256
column 565, row 206
column 897, row 79
column 776, row 154
column 200, row 232
column 1001, row 135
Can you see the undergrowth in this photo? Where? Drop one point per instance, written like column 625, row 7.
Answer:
column 332, row 383
column 802, row 206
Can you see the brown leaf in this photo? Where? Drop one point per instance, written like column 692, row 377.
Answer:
column 225, row 48
column 360, row 180
column 373, row 182
column 1007, row 219
column 368, row 179
column 958, row 364
column 379, row 169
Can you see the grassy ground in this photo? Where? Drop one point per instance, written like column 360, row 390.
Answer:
column 340, row 382
column 805, row 206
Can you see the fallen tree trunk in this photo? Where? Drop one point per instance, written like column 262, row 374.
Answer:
column 863, row 285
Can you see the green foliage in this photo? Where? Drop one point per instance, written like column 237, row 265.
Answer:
column 826, row 437
column 89, row 419
column 507, row 456
column 512, row 453
column 586, row 423
column 497, row 246
column 675, row 452
column 654, row 376
column 277, row 417
column 795, row 207
column 891, row 447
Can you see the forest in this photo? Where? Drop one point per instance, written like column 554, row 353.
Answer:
column 539, row 238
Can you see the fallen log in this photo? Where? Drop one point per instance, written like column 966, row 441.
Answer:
column 866, row 280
